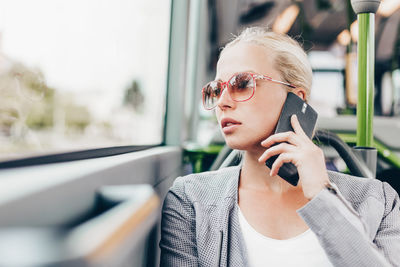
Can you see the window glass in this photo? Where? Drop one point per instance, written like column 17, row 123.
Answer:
column 81, row 74
column 327, row 92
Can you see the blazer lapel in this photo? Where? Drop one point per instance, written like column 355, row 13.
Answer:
column 232, row 251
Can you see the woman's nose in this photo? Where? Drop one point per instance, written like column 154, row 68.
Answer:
column 225, row 100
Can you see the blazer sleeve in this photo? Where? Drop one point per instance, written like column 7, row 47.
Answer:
column 388, row 236
column 178, row 229
column 343, row 234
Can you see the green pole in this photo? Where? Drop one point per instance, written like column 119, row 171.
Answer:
column 366, row 61
column 365, row 10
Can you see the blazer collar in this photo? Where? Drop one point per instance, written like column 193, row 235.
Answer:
column 234, row 173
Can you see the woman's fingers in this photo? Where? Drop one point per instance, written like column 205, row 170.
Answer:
column 275, row 150
column 296, row 125
column 283, row 158
column 288, row 137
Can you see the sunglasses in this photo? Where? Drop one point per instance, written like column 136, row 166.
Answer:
column 241, row 87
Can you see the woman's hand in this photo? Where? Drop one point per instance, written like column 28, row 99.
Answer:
column 297, row 148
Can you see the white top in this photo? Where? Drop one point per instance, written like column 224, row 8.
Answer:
column 299, row 251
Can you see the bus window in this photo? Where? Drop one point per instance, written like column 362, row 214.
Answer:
column 80, row 75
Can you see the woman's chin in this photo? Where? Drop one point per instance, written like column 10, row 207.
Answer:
column 238, row 144
column 244, row 144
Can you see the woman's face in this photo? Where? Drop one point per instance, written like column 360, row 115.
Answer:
column 255, row 119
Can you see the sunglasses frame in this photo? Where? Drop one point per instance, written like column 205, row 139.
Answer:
column 253, row 76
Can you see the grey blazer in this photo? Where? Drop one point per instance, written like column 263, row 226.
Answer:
column 357, row 225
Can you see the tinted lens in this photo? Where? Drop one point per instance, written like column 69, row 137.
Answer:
column 211, row 93
column 241, row 87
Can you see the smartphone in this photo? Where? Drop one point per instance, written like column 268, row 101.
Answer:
column 307, row 117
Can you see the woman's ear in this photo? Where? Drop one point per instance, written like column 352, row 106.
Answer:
column 300, row 92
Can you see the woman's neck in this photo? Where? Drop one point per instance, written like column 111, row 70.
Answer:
column 255, row 176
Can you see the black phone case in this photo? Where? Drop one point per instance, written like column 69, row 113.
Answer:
column 307, row 117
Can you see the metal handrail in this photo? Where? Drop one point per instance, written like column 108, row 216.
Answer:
column 355, row 165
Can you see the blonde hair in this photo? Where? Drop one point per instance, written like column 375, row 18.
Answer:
column 289, row 58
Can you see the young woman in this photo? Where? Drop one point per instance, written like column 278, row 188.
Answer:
column 248, row 215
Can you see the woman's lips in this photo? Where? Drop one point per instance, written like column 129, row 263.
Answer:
column 229, row 125
column 230, row 128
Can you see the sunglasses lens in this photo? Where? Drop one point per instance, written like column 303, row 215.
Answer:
column 211, row 93
column 241, row 87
